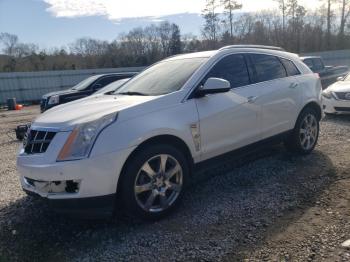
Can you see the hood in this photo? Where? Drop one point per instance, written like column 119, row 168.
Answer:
column 66, row 116
column 340, row 86
column 62, row 92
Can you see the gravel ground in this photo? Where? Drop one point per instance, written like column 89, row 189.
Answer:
column 268, row 205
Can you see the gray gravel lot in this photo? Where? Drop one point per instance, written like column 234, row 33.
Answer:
column 268, row 205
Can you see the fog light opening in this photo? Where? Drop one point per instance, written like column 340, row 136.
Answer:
column 72, row 186
column 54, row 187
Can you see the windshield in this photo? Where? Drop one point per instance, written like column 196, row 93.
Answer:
column 85, row 83
column 112, row 87
column 162, row 78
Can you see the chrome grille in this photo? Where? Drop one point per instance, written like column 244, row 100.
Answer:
column 36, row 142
column 343, row 95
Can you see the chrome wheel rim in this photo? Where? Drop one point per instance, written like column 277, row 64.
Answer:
column 308, row 132
column 158, row 183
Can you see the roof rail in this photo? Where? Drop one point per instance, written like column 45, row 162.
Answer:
column 253, row 46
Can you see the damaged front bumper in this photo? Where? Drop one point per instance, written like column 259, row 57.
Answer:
column 83, row 187
column 44, row 188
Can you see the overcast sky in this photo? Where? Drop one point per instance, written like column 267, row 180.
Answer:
column 115, row 9
column 58, row 22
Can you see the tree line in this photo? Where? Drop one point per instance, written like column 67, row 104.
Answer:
column 293, row 27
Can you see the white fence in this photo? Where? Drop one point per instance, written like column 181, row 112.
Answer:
column 30, row 86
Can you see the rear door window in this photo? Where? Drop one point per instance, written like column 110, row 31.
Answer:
column 290, row 67
column 232, row 68
column 266, row 67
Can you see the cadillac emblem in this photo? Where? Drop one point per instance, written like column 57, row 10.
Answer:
column 347, row 96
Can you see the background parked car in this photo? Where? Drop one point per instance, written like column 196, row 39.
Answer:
column 81, row 90
column 112, row 87
column 21, row 130
column 336, row 98
column 328, row 74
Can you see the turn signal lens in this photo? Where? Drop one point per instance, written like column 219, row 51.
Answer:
column 67, row 148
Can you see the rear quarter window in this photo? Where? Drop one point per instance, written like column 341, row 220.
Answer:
column 290, row 67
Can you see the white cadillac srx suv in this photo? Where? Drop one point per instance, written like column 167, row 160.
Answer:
column 140, row 143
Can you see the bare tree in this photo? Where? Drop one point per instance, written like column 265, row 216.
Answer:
column 165, row 31
column 329, row 17
column 292, row 6
column 282, row 4
column 9, row 42
column 212, row 23
column 23, row 50
column 244, row 26
column 344, row 15
column 88, row 47
column 297, row 14
column 299, row 25
column 133, row 47
column 175, row 43
column 191, row 43
column 229, row 7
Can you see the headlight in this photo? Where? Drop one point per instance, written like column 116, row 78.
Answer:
column 54, row 100
column 82, row 138
column 327, row 94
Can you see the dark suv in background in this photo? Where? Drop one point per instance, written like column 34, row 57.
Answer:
column 328, row 74
column 81, row 90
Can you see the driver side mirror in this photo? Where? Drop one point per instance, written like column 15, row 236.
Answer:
column 340, row 78
column 213, row 86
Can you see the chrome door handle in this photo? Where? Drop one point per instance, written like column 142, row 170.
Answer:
column 293, row 85
column 252, row 99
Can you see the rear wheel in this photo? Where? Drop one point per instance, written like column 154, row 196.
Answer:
column 304, row 136
column 153, row 181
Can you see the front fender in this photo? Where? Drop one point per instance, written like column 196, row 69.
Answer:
column 175, row 121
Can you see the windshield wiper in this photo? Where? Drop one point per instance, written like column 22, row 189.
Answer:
column 132, row 94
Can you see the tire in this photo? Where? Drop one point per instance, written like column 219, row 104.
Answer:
column 149, row 189
column 304, row 136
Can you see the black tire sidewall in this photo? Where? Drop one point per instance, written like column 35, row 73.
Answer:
column 131, row 170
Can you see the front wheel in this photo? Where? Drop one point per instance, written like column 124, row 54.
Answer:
column 153, row 181
column 304, row 136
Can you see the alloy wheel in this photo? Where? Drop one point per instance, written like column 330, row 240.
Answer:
column 158, row 183
column 308, row 132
